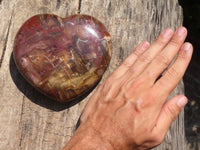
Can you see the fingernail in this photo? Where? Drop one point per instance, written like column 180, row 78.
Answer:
column 145, row 45
column 182, row 102
column 167, row 33
column 180, row 31
column 187, row 47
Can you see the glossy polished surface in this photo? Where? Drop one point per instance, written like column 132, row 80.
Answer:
column 62, row 57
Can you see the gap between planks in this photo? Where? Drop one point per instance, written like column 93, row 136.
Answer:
column 79, row 6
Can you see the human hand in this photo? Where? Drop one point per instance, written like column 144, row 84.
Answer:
column 129, row 110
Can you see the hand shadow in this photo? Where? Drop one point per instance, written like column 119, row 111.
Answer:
column 35, row 96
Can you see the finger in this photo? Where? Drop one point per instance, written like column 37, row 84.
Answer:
column 165, row 57
column 173, row 75
column 168, row 114
column 142, row 61
column 129, row 61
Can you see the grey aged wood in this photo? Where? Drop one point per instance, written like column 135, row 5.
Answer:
column 29, row 120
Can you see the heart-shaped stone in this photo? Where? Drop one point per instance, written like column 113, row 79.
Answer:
column 62, row 57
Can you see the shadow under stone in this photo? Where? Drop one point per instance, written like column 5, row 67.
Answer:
column 35, row 96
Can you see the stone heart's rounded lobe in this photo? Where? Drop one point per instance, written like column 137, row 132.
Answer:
column 62, row 57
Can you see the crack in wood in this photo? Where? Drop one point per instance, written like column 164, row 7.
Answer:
column 58, row 4
column 79, row 6
column 6, row 40
column 22, row 109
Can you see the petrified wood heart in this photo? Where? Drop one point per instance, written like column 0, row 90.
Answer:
column 62, row 57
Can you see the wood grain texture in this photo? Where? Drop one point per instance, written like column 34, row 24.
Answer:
column 29, row 120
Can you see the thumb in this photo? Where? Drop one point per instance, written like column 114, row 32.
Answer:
column 168, row 114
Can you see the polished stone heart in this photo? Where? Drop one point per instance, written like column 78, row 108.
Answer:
column 62, row 57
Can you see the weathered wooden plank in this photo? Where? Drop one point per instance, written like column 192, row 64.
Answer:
column 10, row 107
column 29, row 120
column 131, row 22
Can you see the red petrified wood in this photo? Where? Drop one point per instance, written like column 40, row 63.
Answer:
column 62, row 57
